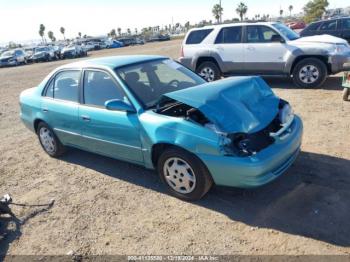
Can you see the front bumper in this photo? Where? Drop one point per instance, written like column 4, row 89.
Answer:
column 339, row 62
column 257, row 170
column 7, row 63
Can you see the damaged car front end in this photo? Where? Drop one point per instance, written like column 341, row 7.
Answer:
column 257, row 136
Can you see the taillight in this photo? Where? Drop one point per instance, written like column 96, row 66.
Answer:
column 349, row 77
column 182, row 51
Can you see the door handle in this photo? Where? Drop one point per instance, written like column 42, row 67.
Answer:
column 86, row 118
column 45, row 110
column 250, row 48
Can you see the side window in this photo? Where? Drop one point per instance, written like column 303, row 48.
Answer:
column 313, row 27
column 329, row 25
column 346, row 24
column 99, row 88
column 66, row 86
column 196, row 37
column 260, row 34
column 229, row 35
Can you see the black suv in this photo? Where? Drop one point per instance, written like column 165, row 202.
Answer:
column 339, row 27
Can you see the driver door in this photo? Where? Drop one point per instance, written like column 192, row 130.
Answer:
column 111, row 133
column 262, row 54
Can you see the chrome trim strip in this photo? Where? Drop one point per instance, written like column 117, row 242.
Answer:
column 98, row 139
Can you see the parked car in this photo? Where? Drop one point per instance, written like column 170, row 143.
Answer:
column 127, row 41
column 154, row 112
column 296, row 25
column 88, row 46
column 263, row 48
column 43, row 53
column 28, row 53
column 73, row 51
column 159, row 38
column 339, row 27
column 12, row 58
column 115, row 44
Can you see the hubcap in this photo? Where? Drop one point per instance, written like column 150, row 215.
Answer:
column 309, row 74
column 47, row 140
column 179, row 175
column 208, row 74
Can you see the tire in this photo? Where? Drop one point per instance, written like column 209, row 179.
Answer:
column 309, row 72
column 209, row 71
column 53, row 149
column 188, row 167
column 346, row 93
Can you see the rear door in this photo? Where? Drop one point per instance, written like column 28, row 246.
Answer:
column 345, row 25
column 60, row 106
column 262, row 54
column 228, row 45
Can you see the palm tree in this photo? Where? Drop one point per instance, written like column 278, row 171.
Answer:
column 79, row 34
column 42, row 31
column 62, row 30
column 129, row 31
column 217, row 12
column 51, row 36
column 241, row 10
column 281, row 12
column 290, row 8
column 119, row 31
column 187, row 25
column 113, row 34
column 136, row 31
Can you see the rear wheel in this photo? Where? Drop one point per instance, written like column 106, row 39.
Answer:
column 209, row 71
column 309, row 72
column 49, row 141
column 184, row 174
column 346, row 93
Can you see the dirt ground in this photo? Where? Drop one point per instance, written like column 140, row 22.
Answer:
column 104, row 206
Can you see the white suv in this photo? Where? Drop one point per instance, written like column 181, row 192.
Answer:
column 263, row 48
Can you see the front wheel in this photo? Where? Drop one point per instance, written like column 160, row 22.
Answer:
column 309, row 72
column 346, row 94
column 184, row 174
column 209, row 71
column 49, row 141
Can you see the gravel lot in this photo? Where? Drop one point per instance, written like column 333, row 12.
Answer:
column 104, row 206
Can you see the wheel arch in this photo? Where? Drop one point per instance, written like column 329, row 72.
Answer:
column 322, row 58
column 203, row 59
column 36, row 123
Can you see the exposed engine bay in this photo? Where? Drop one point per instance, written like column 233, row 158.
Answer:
column 237, row 144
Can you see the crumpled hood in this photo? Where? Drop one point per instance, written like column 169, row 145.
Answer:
column 236, row 104
column 327, row 39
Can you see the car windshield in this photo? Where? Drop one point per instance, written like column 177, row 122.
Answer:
column 286, row 31
column 40, row 49
column 149, row 81
column 8, row 53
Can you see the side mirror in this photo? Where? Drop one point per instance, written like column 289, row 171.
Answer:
column 119, row 105
column 277, row 38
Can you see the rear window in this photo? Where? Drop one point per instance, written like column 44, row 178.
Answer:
column 346, row 24
column 196, row 37
column 229, row 35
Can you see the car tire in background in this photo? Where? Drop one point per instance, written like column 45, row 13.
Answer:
column 309, row 72
column 49, row 141
column 184, row 174
column 209, row 71
column 346, row 94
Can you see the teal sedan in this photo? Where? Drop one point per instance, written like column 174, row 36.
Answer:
column 154, row 112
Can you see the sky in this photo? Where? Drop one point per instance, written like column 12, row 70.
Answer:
column 20, row 19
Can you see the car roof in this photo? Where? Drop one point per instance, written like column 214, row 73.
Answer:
column 113, row 61
column 235, row 24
